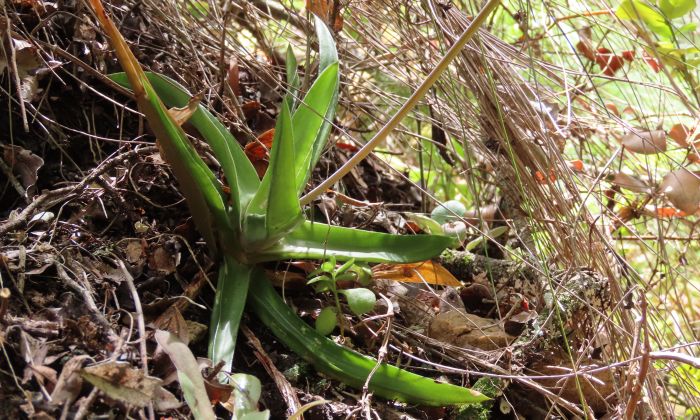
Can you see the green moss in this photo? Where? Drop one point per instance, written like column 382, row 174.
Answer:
column 490, row 387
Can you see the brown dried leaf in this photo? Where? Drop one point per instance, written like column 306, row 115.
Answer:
column 682, row 188
column 428, row 271
column 172, row 321
column 121, row 381
column 679, row 133
column 629, row 182
column 645, row 142
column 69, row 382
column 181, row 115
column 25, row 165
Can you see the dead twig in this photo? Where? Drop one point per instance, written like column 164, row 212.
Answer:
column 53, row 197
column 285, row 388
column 143, row 350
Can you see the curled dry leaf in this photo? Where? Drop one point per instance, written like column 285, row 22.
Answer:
column 645, row 142
column 682, row 188
column 629, row 182
column 181, row 115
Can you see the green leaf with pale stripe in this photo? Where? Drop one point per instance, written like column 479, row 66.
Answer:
column 319, row 240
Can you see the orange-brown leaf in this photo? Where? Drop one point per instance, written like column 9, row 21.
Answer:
column 325, row 9
column 428, row 271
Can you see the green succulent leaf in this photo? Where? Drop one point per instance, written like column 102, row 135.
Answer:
column 344, row 364
column 293, row 81
column 326, row 321
column 231, row 293
column 282, row 204
column 311, row 120
column 360, row 300
column 318, row 240
column 240, row 173
column 198, row 184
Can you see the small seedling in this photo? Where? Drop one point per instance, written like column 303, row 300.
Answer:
column 327, row 278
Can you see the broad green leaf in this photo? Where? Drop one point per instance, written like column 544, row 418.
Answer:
column 197, row 182
column 188, row 374
column 360, row 300
column 310, row 121
column 326, row 321
column 239, row 172
column 319, row 240
column 344, row 364
column 676, row 8
column 639, row 10
column 231, row 292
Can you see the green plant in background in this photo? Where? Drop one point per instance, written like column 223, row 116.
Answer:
column 262, row 220
column 325, row 278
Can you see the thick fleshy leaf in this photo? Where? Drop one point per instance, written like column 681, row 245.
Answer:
column 346, row 365
column 283, row 209
column 293, row 81
column 311, row 120
column 276, row 200
column 197, row 182
column 240, row 174
column 231, row 292
column 319, row 240
column 188, row 373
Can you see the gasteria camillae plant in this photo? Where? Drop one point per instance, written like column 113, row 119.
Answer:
column 262, row 220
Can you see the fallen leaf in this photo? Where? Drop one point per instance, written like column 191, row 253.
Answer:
column 121, row 381
column 69, row 382
column 172, row 321
column 645, row 142
column 466, row 330
column 682, row 188
column 25, row 165
column 134, row 251
column 189, row 375
column 428, row 271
